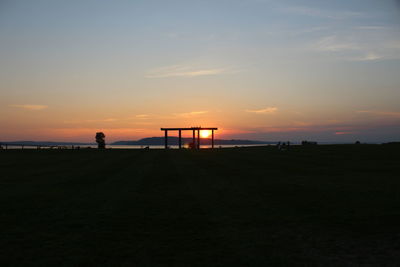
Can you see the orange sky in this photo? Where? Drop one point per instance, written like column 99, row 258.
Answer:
column 262, row 70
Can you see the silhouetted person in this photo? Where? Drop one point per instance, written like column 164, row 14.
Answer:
column 283, row 146
column 279, row 145
column 100, row 140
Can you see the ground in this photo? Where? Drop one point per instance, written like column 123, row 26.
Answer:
column 309, row 206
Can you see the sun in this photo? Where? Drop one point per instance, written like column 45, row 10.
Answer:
column 205, row 133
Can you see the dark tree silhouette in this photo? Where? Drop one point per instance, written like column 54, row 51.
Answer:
column 100, row 140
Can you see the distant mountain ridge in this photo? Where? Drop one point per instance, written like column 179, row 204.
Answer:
column 172, row 140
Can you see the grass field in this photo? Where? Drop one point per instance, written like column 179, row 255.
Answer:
column 310, row 206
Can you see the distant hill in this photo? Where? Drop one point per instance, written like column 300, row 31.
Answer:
column 158, row 141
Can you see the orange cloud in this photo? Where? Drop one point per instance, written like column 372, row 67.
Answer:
column 142, row 116
column 30, row 107
column 183, row 71
column 268, row 110
column 342, row 133
column 190, row 114
column 381, row 113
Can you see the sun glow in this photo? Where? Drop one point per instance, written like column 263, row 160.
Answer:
column 205, row 133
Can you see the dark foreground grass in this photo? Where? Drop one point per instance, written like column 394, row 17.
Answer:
column 310, row 206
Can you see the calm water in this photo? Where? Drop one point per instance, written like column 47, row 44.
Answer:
column 176, row 147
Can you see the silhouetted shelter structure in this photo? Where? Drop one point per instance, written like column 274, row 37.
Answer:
column 193, row 129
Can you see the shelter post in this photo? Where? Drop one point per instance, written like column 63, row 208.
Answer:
column 180, row 139
column 194, row 139
column 166, row 138
column 198, row 138
column 212, row 138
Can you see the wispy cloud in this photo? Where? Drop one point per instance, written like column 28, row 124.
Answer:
column 185, row 71
column 103, row 120
column 367, row 45
column 333, row 44
column 190, row 114
column 142, row 116
column 368, row 57
column 30, row 107
column 268, row 110
column 343, row 133
column 320, row 13
column 369, row 27
column 333, row 128
column 91, row 120
column 309, row 30
column 381, row 113
column 136, row 118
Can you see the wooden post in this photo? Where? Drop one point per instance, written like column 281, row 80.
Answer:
column 194, row 139
column 180, row 139
column 166, row 138
column 198, row 139
column 212, row 138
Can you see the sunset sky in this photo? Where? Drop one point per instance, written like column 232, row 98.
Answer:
column 283, row 70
